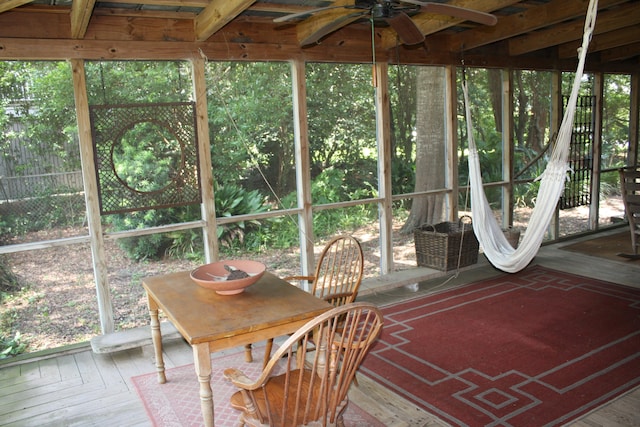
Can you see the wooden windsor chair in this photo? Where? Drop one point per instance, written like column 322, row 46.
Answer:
column 336, row 279
column 630, row 187
column 307, row 379
column 338, row 273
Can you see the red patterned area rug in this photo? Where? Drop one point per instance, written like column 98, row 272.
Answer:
column 536, row 348
column 177, row 402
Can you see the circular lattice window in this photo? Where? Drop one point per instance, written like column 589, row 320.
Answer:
column 146, row 156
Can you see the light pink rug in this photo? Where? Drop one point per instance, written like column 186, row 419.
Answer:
column 177, row 402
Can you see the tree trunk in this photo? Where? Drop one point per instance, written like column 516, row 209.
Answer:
column 430, row 147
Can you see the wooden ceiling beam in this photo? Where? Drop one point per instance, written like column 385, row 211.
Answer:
column 612, row 39
column 166, row 3
column 621, row 53
column 532, row 19
column 282, row 9
column 608, row 20
column 216, row 15
column 160, row 14
column 10, row 4
column 81, row 11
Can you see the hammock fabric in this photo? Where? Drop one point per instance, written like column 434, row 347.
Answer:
column 485, row 226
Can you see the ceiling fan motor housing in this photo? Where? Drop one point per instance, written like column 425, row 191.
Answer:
column 385, row 8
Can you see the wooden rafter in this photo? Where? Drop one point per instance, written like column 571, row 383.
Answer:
column 612, row 39
column 607, row 20
column 532, row 19
column 81, row 11
column 621, row 53
column 10, row 4
column 218, row 14
column 166, row 3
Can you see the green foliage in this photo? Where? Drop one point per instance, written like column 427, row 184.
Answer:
column 331, row 187
column 8, row 281
column 403, row 179
column 41, row 94
column 526, row 194
column 615, row 120
column 251, row 125
column 342, row 124
column 232, row 201
column 137, row 82
column 146, row 247
column 12, row 346
column 177, row 244
column 328, row 187
column 609, row 184
column 51, row 207
column 402, row 99
column 186, row 244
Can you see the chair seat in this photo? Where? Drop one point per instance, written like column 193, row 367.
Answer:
column 285, row 416
column 306, row 382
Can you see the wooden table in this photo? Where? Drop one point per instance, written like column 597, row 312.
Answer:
column 210, row 322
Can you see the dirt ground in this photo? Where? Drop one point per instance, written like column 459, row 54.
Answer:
column 58, row 303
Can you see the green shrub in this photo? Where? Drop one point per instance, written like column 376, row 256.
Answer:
column 328, row 187
column 49, row 208
column 8, row 281
column 230, row 200
column 147, row 247
column 10, row 347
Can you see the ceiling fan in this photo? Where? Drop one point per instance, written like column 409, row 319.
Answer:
column 395, row 13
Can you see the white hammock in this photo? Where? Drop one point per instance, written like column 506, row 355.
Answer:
column 485, row 226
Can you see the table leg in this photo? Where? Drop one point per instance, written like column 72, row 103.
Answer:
column 156, row 336
column 202, row 359
column 248, row 356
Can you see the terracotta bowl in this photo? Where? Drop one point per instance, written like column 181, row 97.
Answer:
column 214, row 276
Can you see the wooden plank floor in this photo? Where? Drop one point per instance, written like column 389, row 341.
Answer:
column 80, row 388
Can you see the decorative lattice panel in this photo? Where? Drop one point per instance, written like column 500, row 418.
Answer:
column 577, row 191
column 146, row 156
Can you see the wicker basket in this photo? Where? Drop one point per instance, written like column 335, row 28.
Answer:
column 439, row 246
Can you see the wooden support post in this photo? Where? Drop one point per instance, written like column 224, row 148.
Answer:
column 556, row 121
column 303, row 169
column 383, row 138
column 507, row 147
column 597, row 152
column 98, row 255
column 204, row 155
column 451, row 138
column 634, row 118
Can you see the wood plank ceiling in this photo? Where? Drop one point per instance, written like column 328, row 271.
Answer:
column 540, row 34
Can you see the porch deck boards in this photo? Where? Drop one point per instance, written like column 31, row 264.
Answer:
column 78, row 387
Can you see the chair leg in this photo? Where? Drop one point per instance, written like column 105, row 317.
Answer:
column 267, row 352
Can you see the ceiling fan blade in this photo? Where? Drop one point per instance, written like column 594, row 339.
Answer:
column 294, row 16
column 455, row 11
column 318, row 30
column 407, row 30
